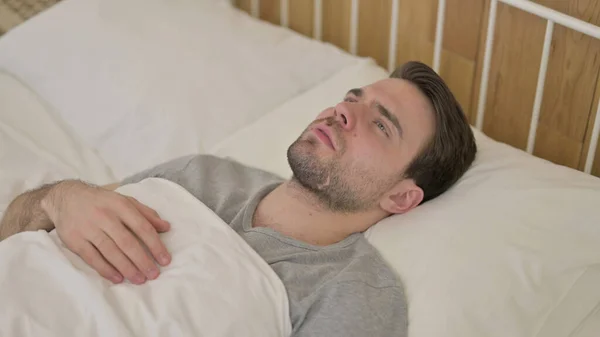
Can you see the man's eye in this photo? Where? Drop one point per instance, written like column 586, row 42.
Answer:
column 349, row 99
column 381, row 126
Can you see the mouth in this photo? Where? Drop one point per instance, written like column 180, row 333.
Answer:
column 324, row 135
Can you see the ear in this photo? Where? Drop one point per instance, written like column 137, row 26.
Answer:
column 405, row 196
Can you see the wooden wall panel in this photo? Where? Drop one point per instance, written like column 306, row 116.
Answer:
column 461, row 47
column 570, row 86
column 270, row 11
column 301, row 16
column 513, row 75
column 416, row 27
column 374, row 18
column 458, row 72
column 570, row 83
column 462, row 26
column 586, row 144
column 416, row 38
column 336, row 22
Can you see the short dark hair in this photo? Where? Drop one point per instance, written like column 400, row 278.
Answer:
column 451, row 150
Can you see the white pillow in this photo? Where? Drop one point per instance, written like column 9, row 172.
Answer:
column 144, row 81
column 513, row 249
column 264, row 143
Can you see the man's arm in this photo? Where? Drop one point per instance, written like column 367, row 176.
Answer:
column 95, row 223
column 25, row 212
column 356, row 309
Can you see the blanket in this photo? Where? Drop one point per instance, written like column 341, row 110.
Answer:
column 216, row 285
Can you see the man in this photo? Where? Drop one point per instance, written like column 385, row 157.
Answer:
column 383, row 150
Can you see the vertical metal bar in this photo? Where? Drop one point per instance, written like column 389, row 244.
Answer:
column 589, row 162
column 439, row 35
column 284, row 13
column 318, row 20
column 487, row 59
column 539, row 92
column 354, row 27
column 556, row 16
column 255, row 8
column 392, row 48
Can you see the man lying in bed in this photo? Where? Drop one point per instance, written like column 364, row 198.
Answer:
column 383, row 150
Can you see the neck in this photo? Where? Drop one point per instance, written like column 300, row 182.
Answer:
column 294, row 211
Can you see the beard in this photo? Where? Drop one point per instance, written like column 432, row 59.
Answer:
column 340, row 187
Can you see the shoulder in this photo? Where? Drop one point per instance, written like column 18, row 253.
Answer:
column 222, row 184
column 224, row 175
column 199, row 170
column 372, row 292
column 226, row 165
column 367, row 266
column 359, row 306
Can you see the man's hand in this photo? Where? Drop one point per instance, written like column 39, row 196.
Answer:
column 101, row 227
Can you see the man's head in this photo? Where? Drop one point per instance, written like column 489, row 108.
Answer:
column 393, row 145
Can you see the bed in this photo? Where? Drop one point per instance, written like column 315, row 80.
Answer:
column 101, row 89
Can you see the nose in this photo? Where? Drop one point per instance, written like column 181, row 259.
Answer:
column 344, row 113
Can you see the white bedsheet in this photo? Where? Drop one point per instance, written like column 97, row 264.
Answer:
column 216, row 285
column 36, row 147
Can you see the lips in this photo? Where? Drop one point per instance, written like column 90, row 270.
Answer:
column 325, row 136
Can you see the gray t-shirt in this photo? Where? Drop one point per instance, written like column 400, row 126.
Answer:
column 345, row 289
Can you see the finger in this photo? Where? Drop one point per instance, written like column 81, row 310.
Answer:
column 148, row 234
column 151, row 215
column 113, row 254
column 90, row 255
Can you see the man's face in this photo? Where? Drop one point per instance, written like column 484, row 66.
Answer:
column 355, row 152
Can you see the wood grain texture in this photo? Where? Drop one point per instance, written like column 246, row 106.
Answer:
column 513, row 75
column 570, row 87
column 462, row 26
column 270, row 11
column 416, row 28
column 458, row 73
column 586, row 144
column 336, row 22
column 416, row 38
column 374, row 18
column 301, row 16
column 460, row 48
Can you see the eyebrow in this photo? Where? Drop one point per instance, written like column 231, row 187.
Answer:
column 382, row 110
column 386, row 113
column 356, row 92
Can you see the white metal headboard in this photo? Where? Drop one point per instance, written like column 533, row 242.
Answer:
column 550, row 15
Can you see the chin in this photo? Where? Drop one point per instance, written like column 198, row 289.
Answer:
column 308, row 165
